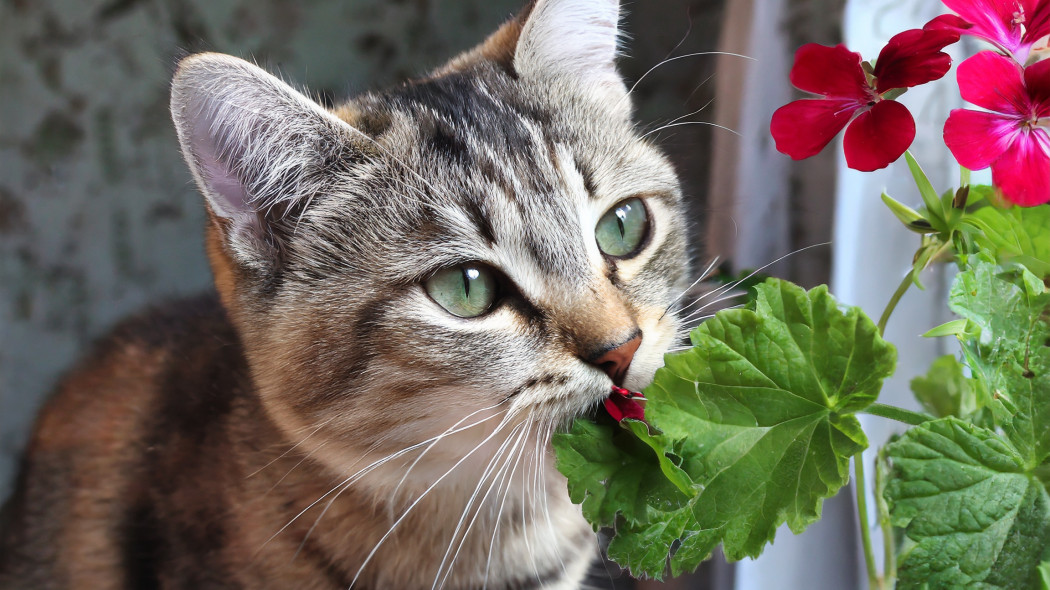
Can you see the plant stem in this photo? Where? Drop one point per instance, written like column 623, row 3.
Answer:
column 862, row 514
column 901, row 290
column 882, row 511
column 908, row 417
column 889, row 576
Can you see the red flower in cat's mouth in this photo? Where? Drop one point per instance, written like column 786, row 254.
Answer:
column 623, row 403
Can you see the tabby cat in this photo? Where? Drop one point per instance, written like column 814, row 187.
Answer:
column 414, row 290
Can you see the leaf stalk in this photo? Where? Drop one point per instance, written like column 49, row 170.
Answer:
column 892, row 304
column 862, row 515
column 909, row 417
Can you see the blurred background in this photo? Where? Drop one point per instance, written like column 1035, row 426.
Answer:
column 99, row 217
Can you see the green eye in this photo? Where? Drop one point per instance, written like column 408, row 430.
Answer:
column 466, row 291
column 623, row 228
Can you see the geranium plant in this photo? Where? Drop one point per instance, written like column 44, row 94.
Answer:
column 755, row 425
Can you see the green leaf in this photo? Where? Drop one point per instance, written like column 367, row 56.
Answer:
column 944, row 390
column 971, row 513
column 952, row 328
column 929, row 195
column 1015, row 234
column 671, row 471
column 596, row 454
column 762, row 405
column 757, row 420
column 1009, row 351
column 644, row 549
column 911, row 218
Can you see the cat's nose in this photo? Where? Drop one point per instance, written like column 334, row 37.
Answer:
column 616, row 359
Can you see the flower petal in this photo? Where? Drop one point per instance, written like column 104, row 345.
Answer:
column 1037, row 81
column 1037, row 19
column 914, row 57
column 948, row 22
column 879, row 136
column 992, row 20
column 977, row 138
column 831, row 71
column 802, row 128
column 1023, row 171
column 620, row 407
column 993, row 81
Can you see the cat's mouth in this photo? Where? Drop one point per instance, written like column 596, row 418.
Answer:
column 624, row 403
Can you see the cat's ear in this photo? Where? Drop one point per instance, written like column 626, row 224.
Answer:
column 258, row 149
column 574, row 40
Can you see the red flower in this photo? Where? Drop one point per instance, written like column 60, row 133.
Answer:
column 1014, row 139
column 883, row 128
column 1011, row 25
column 622, row 403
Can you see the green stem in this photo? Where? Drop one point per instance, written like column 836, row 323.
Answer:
column 901, row 290
column 889, row 576
column 882, row 510
column 862, row 514
column 908, row 417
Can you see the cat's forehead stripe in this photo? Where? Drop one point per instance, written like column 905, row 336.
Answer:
column 476, row 143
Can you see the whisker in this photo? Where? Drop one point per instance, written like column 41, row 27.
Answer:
column 703, row 276
column 541, row 456
column 427, row 450
column 503, row 471
column 375, row 464
column 680, row 117
column 727, row 297
column 721, row 290
column 676, row 58
column 416, row 502
column 495, row 529
column 506, row 447
column 293, row 468
column 525, row 536
column 290, row 449
column 708, row 123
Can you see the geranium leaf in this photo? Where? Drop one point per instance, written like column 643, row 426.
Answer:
column 1009, row 353
column 944, row 390
column 612, row 473
column 757, row 417
column 973, row 516
column 1016, row 234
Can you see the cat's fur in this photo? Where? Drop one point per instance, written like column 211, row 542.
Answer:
column 237, row 442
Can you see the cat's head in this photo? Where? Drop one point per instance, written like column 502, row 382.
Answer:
column 493, row 241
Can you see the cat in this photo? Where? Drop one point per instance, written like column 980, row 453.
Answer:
column 413, row 290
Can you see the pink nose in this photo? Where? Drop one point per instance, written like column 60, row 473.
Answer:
column 616, row 360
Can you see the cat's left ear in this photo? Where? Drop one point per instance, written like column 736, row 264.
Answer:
column 572, row 41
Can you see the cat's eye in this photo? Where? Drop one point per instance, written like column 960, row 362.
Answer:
column 622, row 230
column 466, row 291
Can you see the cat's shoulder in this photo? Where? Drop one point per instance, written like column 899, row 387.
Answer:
column 166, row 355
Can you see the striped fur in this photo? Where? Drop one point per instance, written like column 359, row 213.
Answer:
column 328, row 423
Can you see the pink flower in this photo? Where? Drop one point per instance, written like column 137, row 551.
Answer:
column 1014, row 139
column 883, row 128
column 1011, row 25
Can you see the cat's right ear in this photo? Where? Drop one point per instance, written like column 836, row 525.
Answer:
column 258, row 149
